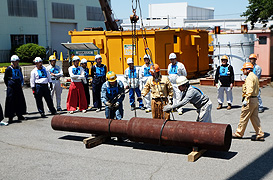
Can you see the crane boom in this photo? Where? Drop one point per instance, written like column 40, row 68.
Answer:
column 109, row 21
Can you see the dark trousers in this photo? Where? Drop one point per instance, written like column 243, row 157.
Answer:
column 40, row 92
column 87, row 94
column 15, row 102
column 96, row 95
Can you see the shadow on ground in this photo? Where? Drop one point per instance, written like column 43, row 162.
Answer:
column 257, row 169
column 151, row 147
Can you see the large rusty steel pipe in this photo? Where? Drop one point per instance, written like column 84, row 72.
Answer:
column 211, row 136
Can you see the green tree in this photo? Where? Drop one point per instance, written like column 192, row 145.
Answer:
column 259, row 11
column 27, row 52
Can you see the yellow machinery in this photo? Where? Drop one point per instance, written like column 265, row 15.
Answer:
column 190, row 46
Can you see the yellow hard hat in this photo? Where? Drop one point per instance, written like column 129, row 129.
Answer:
column 52, row 58
column 111, row 76
column 247, row 65
column 253, row 56
column 224, row 57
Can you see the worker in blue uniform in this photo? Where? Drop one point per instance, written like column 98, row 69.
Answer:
column 15, row 99
column 98, row 74
column 257, row 70
column 86, row 85
column 112, row 95
column 39, row 80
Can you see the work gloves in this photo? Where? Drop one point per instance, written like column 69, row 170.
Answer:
column 116, row 105
column 167, row 108
column 171, row 101
column 139, row 98
column 244, row 103
column 108, row 104
column 218, row 85
column 112, row 105
column 50, row 86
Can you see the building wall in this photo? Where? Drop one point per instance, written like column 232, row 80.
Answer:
column 168, row 9
column 197, row 13
column 174, row 14
column 41, row 25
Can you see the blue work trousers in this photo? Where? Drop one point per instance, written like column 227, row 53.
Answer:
column 132, row 97
column 114, row 113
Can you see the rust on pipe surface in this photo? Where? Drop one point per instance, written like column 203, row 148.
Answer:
column 209, row 136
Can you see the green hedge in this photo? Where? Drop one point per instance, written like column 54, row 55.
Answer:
column 27, row 52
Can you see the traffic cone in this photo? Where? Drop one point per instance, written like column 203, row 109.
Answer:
column 61, row 56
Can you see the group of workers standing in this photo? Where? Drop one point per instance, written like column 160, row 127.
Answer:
column 162, row 94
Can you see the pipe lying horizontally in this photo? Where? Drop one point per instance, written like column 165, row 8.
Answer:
column 210, row 136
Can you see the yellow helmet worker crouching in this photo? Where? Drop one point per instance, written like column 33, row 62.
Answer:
column 111, row 76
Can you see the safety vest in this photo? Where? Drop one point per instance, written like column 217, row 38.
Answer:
column 86, row 72
column 76, row 71
column 100, row 71
column 224, row 71
column 255, row 70
column 54, row 70
column 147, row 71
column 112, row 91
column 132, row 74
column 16, row 74
column 173, row 69
column 42, row 73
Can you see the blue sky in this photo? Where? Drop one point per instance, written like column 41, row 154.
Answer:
column 222, row 9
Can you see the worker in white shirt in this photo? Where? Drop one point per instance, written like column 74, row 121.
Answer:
column 76, row 95
column 39, row 80
column 175, row 70
column 55, row 72
column 144, row 75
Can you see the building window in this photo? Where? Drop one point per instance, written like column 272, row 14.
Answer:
column 94, row 14
column 63, row 11
column 22, row 8
column 19, row 39
column 262, row 39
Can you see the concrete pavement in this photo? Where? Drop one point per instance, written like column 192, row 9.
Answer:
column 32, row 150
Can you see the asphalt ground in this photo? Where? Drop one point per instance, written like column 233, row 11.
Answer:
column 33, row 150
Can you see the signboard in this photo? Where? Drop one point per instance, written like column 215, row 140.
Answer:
column 84, row 52
column 128, row 49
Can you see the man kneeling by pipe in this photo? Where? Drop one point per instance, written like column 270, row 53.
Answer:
column 196, row 97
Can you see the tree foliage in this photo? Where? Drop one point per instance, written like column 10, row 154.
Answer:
column 28, row 52
column 259, row 11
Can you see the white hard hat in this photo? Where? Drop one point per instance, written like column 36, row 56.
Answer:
column 181, row 80
column 14, row 58
column 129, row 61
column 38, row 59
column 146, row 56
column 98, row 56
column 75, row 58
column 83, row 61
column 172, row 56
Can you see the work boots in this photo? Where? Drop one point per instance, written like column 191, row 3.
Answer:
column 229, row 106
column 219, row 106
